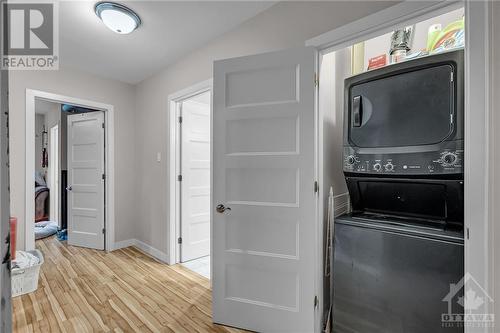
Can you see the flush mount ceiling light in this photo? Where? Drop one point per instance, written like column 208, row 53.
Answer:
column 117, row 17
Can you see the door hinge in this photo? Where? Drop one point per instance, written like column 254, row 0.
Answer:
column 103, row 176
column 316, row 301
column 468, row 234
column 316, row 80
column 103, row 230
column 179, row 178
column 180, row 119
column 102, row 125
column 179, row 240
column 316, row 187
column 452, row 77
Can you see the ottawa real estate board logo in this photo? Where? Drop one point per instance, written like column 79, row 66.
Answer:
column 30, row 39
column 472, row 302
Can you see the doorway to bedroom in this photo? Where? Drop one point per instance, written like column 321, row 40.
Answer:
column 191, row 132
column 69, row 173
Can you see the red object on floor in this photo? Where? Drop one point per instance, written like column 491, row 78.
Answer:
column 13, row 231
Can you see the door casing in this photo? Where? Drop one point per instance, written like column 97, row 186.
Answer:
column 29, row 215
column 54, row 167
column 173, row 186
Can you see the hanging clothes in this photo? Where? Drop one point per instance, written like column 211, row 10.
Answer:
column 45, row 155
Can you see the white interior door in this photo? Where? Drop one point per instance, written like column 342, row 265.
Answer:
column 195, row 185
column 54, row 173
column 265, row 260
column 85, row 180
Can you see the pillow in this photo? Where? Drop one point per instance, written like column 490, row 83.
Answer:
column 40, row 179
column 45, row 229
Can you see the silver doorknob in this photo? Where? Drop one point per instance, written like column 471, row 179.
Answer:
column 221, row 208
column 69, row 188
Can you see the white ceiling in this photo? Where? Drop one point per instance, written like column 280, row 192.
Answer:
column 169, row 31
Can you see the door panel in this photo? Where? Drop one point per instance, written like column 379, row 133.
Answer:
column 85, row 181
column 264, row 247
column 195, row 192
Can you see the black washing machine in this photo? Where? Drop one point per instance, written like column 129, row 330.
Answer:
column 398, row 251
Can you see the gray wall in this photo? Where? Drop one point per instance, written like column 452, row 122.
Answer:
column 285, row 25
column 39, row 123
column 78, row 84
column 141, row 128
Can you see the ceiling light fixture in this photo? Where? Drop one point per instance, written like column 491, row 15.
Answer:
column 117, row 17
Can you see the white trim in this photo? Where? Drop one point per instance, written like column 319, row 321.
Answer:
column 148, row 249
column 124, row 243
column 54, row 173
column 376, row 24
column 479, row 63
column 163, row 257
column 173, row 222
column 30, row 162
column 494, row 153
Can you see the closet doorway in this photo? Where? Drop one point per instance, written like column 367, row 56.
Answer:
column 191, row 131
column 69, row 173
column 80, row 179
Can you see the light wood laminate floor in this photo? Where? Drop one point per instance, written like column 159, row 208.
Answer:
column 84, row 290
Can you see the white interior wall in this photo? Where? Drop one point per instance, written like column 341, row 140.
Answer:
column 53, row 116
column 78, row 84
column 334, row 68
column 39, row 123
column 285, row 25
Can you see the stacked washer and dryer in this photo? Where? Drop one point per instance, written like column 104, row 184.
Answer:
column 402, row 245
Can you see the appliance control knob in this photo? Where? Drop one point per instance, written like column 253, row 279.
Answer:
column 377, row 167
column 351, row 160
column 450, row 158
column 389, row 166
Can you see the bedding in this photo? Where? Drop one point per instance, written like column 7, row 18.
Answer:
column 45, row 229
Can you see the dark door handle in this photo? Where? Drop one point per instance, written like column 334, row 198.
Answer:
column 357, row 111
column 221, row 208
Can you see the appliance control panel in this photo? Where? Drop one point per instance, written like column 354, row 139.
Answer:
column 446, row 161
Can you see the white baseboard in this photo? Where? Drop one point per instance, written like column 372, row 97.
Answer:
column 123, row 244
column 155, row 253
column 163, row 257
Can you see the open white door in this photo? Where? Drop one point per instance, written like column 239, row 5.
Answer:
column 195, row 186
column 265, row 243
column 85, row 180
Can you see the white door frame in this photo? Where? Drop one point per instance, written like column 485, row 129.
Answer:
column 173, row 222
column 479, row 109
column 29, row 215
column 54, row 173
